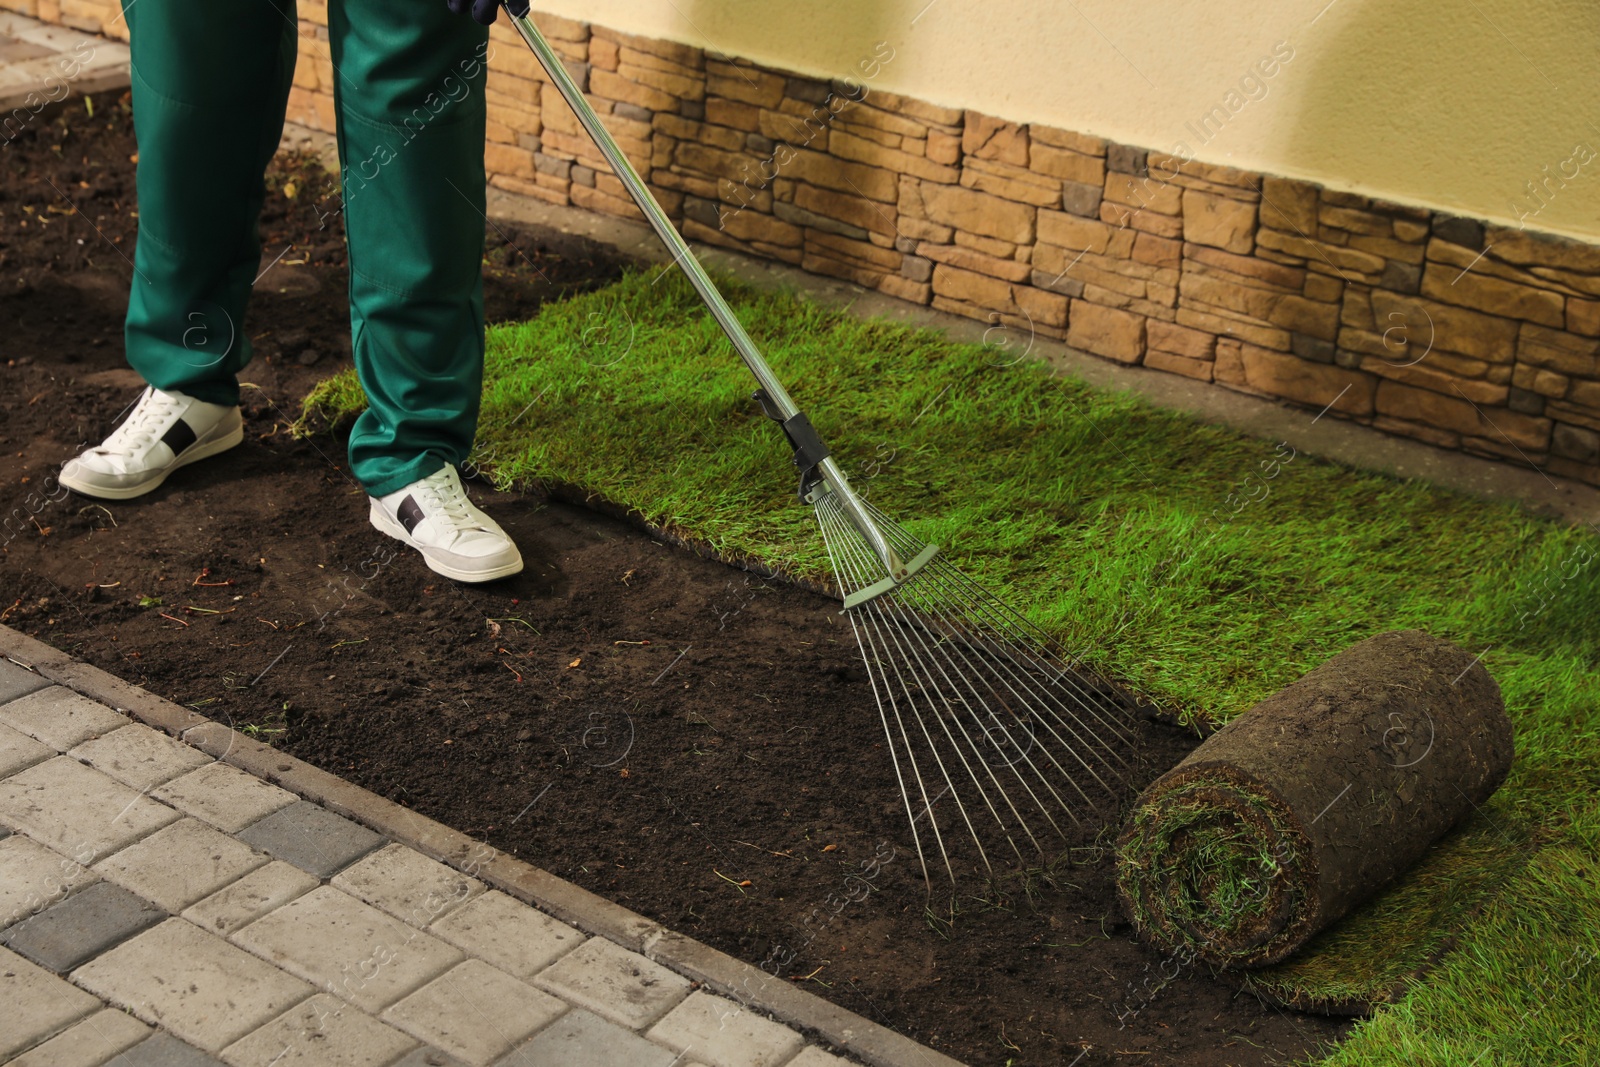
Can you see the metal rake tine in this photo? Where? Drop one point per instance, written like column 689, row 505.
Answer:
column 967, row 675
column 1036, row 695
column 1017, row 633
column 933, row 748
column 1043, row 697
column 854, row 569
column 977, row 751
column 911, row 627
column 1016, row 636
column 827, row 515
column 1003, row 617
column 941, row 579
column 876, row 608
column 914, row 631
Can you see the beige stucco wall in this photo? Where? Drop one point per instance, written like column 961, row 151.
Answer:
column 1454, row 105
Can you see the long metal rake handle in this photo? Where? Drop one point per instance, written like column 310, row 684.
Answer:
column 832, row 476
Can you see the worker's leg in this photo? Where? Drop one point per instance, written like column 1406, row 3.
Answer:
column 210, row 82
column 409, row 95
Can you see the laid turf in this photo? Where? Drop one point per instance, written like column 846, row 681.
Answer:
column 1207, row 567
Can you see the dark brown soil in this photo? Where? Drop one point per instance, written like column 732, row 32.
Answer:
column 689, row 740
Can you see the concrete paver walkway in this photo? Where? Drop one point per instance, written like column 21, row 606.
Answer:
column 161, row 906
column 42, row 64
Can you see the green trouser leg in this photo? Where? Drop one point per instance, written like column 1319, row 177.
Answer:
column 409, row 94
column 210, row 82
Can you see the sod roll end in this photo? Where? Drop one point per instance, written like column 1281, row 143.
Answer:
column 1302, row 807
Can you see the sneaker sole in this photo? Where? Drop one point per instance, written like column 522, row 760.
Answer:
column 196, row 453
column 383, row 524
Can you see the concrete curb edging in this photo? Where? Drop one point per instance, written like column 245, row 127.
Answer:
column 868, row 1041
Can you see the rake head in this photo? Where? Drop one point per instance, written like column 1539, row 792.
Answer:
column 993, row 729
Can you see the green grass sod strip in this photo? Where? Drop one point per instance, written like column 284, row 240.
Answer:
column 1206, row 567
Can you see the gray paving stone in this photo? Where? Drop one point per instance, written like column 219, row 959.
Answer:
column 77, row 810
column 351, row 949
column 195, row 984
column 407, row 885
column 310, row 837
column 18, row 750
column 583, row 1039
column 18, row 681
column 138, row 756
column 33, row 877
column 722, row 1033
column 321, row 1032
column 474, row 1012
column 82, row 926
column 510, row 935
column 224, row 796
column 60, row 718
column 164, row 1050
column 614, row 983
column 90, row 1043
column 37, row 1004
column 180, row 864
column 251, row 897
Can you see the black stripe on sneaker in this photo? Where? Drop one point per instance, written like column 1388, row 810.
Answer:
column 409, row 513
column 179, row 437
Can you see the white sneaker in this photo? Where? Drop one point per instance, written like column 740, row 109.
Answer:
column 456, row 540
column 165, row 431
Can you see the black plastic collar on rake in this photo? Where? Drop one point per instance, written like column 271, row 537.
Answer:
column 809, row 449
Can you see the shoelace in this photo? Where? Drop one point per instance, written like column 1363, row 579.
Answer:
column 144, row 426
column 447, row 495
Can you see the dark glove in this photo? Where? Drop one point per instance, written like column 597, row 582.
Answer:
column 484, row 11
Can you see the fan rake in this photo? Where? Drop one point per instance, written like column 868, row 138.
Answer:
column 975, row 701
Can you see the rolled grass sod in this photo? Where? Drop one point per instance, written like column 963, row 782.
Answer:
column 1296, row 811
column 1207, row 568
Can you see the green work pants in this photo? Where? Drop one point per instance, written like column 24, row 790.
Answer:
column 211, row 81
